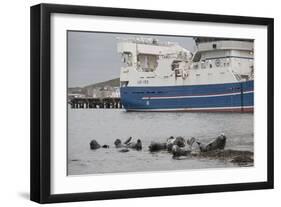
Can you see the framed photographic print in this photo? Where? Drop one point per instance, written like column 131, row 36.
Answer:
column 132, row 103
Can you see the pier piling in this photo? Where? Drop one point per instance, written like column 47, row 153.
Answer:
column 94, row 103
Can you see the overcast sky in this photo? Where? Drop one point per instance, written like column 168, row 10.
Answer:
column 93, row 57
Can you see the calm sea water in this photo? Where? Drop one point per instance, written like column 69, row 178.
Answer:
column 106, row 125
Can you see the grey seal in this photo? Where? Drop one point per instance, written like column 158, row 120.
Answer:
column 180, row 151
column 157, row 146
column 171, row 141
column 168, row 145
column 94, row 145
column 217, row 143
column 128, row 144
column 135, row 145
column 118, row 143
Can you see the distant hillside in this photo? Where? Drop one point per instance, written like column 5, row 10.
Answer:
column 113, row 83
column 76, row 90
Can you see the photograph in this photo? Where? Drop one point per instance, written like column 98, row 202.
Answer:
column 133, row 103
column 150, row 102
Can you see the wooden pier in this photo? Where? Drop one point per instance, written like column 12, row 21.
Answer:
column 95, row 103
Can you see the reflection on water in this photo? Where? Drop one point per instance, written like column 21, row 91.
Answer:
column 106, row 125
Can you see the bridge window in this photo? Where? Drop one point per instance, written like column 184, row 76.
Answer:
column 147, row 62
column 127, row 58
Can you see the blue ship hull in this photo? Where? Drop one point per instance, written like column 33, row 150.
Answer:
column 234, row 97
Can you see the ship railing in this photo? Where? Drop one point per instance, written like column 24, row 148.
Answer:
column 147, row 41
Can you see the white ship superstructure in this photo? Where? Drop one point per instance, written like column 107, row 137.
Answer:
column 156, row 69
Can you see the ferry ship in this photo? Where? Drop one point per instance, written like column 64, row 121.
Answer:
column 164, row 76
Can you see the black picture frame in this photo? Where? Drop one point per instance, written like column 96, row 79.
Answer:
column 40, row 175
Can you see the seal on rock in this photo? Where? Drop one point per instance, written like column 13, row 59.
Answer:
column 118, row 143
column 191, row 141
column 168, row 145
column 135, row 145
column 218, row 143
column 128, row 144
column 94, row 145
column 171, row 141
column 157, row 146
column 180, row 151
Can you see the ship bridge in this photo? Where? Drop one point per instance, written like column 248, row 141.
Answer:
column 226, row 56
